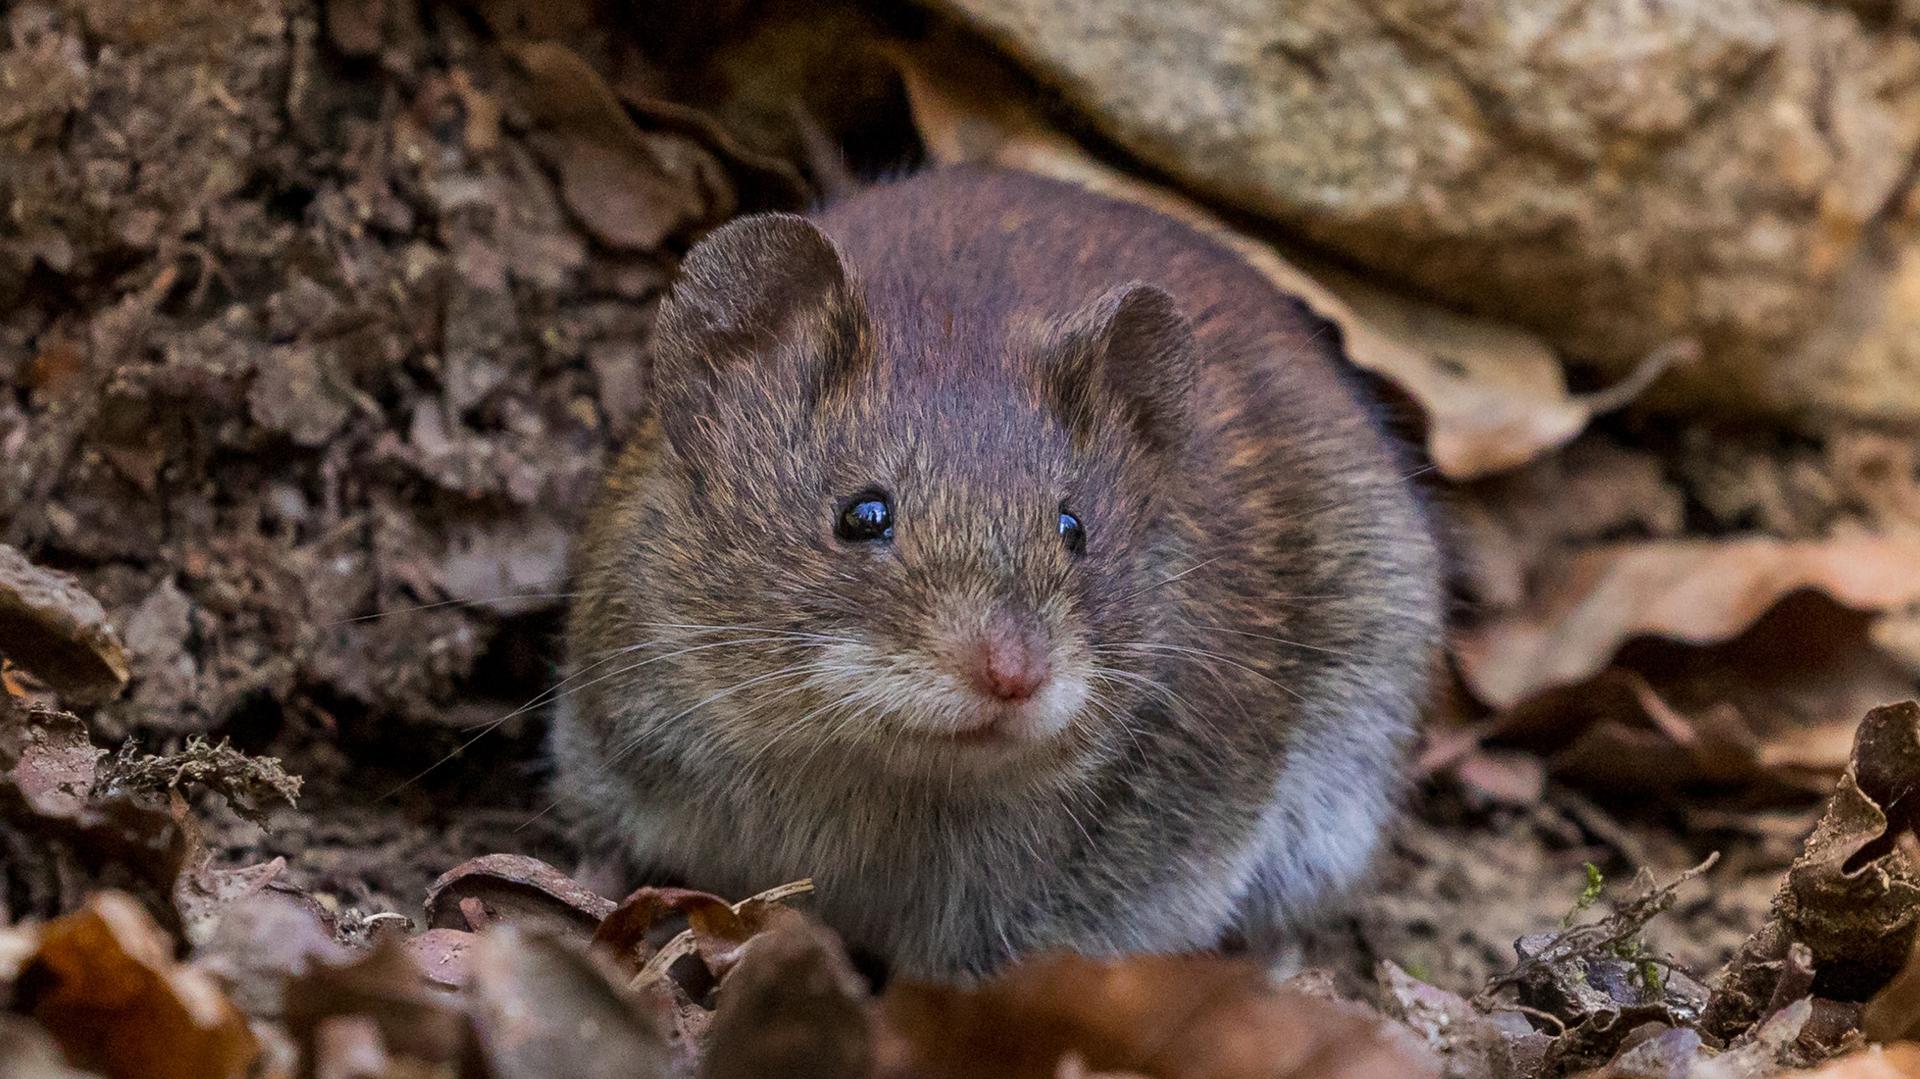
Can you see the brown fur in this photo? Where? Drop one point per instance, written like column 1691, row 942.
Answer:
column 1252, row 620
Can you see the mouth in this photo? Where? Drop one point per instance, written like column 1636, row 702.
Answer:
column 998, row 729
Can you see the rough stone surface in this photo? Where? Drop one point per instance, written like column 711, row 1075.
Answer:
column 1619, row 175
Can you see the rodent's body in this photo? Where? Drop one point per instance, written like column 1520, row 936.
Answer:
column 1227, row 678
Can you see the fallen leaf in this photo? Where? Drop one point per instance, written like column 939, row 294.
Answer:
column 1693, row 591
column 543, row 1008
column 415, row 1022
column 105, row 985
column 53, row 628
column 1168, row 1017
column 1852, row 898
column 1494, row 395
column 792, row 1006
column 56, row 843
column 632, row 190
column 716, row 930
column 516, row 889
column 264, row 940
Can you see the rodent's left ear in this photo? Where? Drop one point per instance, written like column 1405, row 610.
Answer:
column 1131, row 348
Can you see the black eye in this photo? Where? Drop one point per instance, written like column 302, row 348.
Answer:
column 866, row 517
column 1072, row 533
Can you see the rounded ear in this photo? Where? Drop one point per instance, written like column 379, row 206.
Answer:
column 769, row 289
column 1132, row 351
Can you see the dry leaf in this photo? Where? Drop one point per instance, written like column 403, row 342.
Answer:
column 104, row 983
column 1493, row 395
column 542, row 1008
column 517, row 889
column 1693, row 591
column 414, row 1021
column 1169, row 1017
column 56, row 844
column 53, row 628
column 1852, row 898
column 716, row 930
column 793, row 1007
column 631, row 189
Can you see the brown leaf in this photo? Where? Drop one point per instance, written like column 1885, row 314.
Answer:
column 626, row 930
column 53, row 628
column 630, row 189
column 414, row 1021
column 1852, row 898
column 104, row 983
column 1494, row 395
column 793, row 1006
column 518, row 889
column 1169, row 1017
column 442, row 955
column 264, row 940
column 716, row 930
column 56, row 844
column 1693, row 591
column 542, row 1008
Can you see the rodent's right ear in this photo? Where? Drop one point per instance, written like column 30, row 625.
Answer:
column 765, row 289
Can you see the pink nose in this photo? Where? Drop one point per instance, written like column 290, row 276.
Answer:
column 1009, row 664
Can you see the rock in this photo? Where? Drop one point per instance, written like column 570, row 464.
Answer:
column 1619, row 176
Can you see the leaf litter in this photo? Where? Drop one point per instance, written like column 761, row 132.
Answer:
column 334, row 311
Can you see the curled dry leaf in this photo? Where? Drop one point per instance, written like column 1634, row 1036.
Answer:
column 1692, row 591
column 414, row 1022
column 515, row 888
column 1169, row 1017
column 793, row 1006
column 631, row 189
column 103, row 982
column 1852, row 898
column 1647, row 667
column 56, row 843
column 542, row 1007
column 716, row 930
column 53, row 628
column 264, row 940
column 1494, row 396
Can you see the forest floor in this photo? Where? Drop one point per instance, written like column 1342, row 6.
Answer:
column 316, row 326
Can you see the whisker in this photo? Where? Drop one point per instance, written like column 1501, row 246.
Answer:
column 554, row 693
column 450, row 603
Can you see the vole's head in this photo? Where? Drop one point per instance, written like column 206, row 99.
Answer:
column 891, row 532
